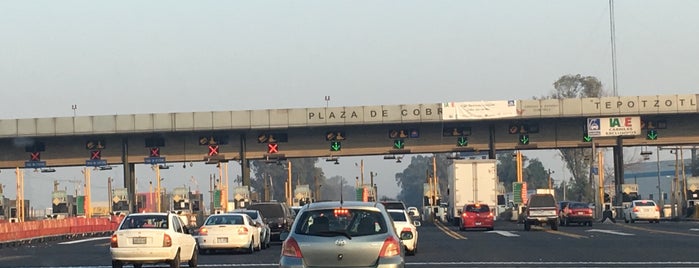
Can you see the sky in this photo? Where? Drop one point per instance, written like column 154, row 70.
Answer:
column 131, row 57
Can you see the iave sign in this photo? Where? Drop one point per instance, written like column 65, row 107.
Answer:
column 614, row 126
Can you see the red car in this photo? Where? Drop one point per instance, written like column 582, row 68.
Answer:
column 476, row 216
column 576, row 212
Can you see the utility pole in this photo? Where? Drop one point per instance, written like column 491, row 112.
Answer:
column 518, row 156
column 549, row 172
column 157, row 188
column 266, row 193
column 87, row 205
column 289, row 184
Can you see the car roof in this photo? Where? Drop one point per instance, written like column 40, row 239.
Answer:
column 149, row 214
column 345, row 204
column 395, row 210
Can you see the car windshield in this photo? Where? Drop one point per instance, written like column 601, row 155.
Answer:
column 475, row 208
column 144, row 221
column 341, row 221
column 269, row 210
column 397, row 215
column 224, row 220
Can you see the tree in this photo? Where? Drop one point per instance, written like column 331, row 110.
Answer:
column 534, row 173
column 303, row 171
column 412, row 179
column 578, row 86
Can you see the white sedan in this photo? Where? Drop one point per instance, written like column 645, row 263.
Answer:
column 229, row 231
column 642, row 210
column 406, row 229
column 152, row 238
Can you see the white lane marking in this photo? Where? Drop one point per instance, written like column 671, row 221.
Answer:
column 609, row 232
column 504, row 233
column 554, row 263
column 83, row 240
column 694, row 229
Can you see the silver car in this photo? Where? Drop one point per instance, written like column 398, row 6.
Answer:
column 342, row 234
column 265, row 232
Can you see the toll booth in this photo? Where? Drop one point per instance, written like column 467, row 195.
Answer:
column 187, row 206
column 302, row 195
column 63, row 205
column 241, row 197
column 120, row 201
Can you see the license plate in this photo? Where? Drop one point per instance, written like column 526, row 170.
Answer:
column 139, row 240
column 222, row 240
column 478, row 223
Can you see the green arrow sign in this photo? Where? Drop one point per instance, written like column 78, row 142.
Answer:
column 398, row 144
column 524, row 139
column 335, row 146
column 652, row 134
column 587, row 138
column 462, row 141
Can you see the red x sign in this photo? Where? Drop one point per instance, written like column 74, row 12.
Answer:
column 155, row 152
column 213, row 150
column 272, row 148
column 35, row 156
column 95, row 155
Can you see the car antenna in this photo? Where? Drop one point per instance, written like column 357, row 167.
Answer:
column 341, row 186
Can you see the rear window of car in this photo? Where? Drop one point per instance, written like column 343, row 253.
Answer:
column 341, row 221
column 224, row 219
column 144, row 221
column 397, row 215
column 269, row 210
column 542, row 201
column 474, row 208
column 579, row 205
column 393, row 205
column 252, row 214
column 645, row 203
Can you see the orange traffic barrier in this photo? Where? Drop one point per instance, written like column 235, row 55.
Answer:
column 46, row 228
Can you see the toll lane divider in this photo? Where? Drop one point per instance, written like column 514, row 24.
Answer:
column 26, row 232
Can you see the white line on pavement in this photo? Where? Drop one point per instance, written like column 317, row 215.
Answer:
column 609, row 232
column 83, row 240
column 504, row 233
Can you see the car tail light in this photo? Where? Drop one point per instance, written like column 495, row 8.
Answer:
column 657, row 209
column 203, row 231
column 635, row 209
column 464, row 215
column 406, row 229
column 290, row 248
column 114, row 242
column 167, row 241
column 390, row 247
column 490, row 215
column 243, row 230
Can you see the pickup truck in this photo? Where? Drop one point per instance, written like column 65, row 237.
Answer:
column 541, row 209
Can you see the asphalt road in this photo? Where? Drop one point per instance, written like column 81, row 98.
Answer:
column 602, row 245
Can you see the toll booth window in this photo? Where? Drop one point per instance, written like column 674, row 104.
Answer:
column 195, row 206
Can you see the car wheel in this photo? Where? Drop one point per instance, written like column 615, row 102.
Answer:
column 203, row 251
column 251, row 248
column 175, row 263
column 137, row 265
column 527, row 226
column 195, row 258
column 490, row 228
column 589, row 223
column 632, row 220
column 554, row 225
column 626, row 220
column 117, row 264
column 259, row 246
column 409, row 252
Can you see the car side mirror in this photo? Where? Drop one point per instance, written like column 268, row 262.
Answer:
column 417, row 223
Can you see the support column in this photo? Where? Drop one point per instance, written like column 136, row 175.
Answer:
column 491, row 142
column 244, row 165
column 129, row 175
column 618, row 173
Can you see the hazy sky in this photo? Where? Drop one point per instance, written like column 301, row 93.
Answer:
column 127, row 57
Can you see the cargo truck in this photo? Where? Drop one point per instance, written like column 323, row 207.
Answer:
column 471, row 181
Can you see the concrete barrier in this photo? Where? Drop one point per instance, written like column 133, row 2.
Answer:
column 24, row 232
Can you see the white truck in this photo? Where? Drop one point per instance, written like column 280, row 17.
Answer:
column 471, row 181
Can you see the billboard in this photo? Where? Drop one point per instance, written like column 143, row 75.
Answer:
column 614, row 126
column 477, row 110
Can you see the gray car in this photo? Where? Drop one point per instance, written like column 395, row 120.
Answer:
column 348, row 234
